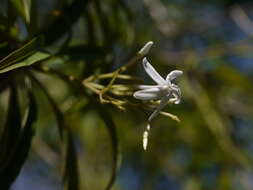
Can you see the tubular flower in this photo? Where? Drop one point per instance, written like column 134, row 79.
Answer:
column 164, row 90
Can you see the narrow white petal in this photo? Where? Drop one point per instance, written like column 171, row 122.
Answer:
column 163, row 102
column 152, row 72
column 173, row 74
column 148, row 94
column 147, row 86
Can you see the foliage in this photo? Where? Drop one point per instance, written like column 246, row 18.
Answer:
column 68, row 71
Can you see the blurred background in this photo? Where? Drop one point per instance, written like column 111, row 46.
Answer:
column 87, row 132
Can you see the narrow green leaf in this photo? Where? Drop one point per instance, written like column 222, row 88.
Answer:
column 114, row 140
column 22, row 53
column 57, row 112
column 27, row 9
column 37, row 56
column 17, row 4
column 111, row 129
column 11, row 128
column 10, row 171
column 71, row 177
column 22, row 7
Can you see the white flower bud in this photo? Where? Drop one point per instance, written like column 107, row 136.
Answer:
column 145, row 140
column 145, row 137
column 144, row 51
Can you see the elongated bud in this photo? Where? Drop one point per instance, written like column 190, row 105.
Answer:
column 144, row 51
column 145, row 137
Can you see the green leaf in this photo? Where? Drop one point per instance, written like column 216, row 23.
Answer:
column 57, row 112
column 11, row 130
column 22, row 53
column 114, row 140
column 17, row 4
column 71, row 177
column 20, row 152
column 22, row 7
column 38, row 56
column 27, row 9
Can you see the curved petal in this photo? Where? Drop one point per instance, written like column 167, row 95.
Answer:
column 152, row 72
column 148, row 94
column 177, row 96
column 163, row 102
column 173, row 74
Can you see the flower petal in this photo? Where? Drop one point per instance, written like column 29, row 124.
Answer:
column 173, row 74
column 148, row 94
column 152, row 72
column 177, row 95
column 147, row 86
column 163, row 102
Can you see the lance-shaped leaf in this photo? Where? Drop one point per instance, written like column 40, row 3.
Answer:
column 11, row 128
column 56, row 110
column 19, row 8
column 37, row 56
column 24, row 56
column 114, row 140
column 71, row 177
column 11, row 170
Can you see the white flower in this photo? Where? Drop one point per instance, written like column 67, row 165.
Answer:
column 164, row 90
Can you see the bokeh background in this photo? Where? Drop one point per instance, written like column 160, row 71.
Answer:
column 211, row 148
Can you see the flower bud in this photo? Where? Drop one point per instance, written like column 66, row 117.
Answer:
column 145, row 49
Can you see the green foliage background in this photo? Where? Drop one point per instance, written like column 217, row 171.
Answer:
column 68, row 69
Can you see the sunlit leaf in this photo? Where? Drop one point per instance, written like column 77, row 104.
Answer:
column 38, row 56
column 22, row 53
column 27, row 9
